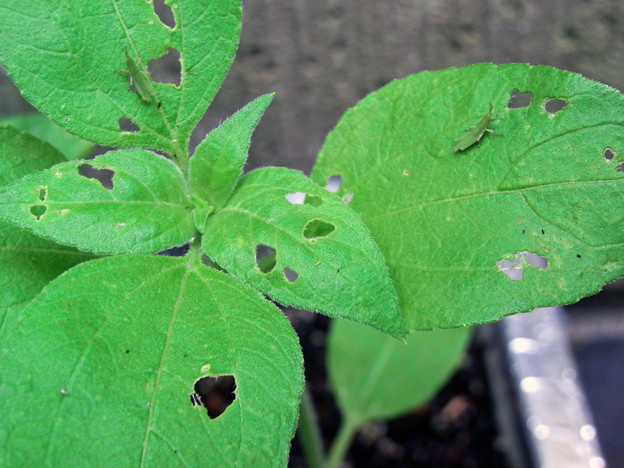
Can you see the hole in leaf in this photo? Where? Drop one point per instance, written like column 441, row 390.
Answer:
column 266, row 258
column 333, row 183
column 290, row 275
column 167, row 68
column 164, row 13
column 103, row 176
column 620, row 167
column 296, row 198
column 347, row 199
column 609, row 154
column 555, row 105
column 302, row 198
column 178, row 251
column 128, row 126
column 536, row 260
column 43, row 193
column 508, row 267
column 513, row 269
column 38, row 211
column 317, row 228
column 214, row 393
column 519, row 100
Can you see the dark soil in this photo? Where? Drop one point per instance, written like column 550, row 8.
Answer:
column 456, row 429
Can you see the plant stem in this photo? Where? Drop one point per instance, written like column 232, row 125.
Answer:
column 182, row 161
column 309, row 432
column 341, row 444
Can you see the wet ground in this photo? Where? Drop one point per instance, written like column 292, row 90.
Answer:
column 456, row 429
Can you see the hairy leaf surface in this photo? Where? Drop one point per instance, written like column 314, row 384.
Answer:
column 67, row 57
column 376, row 377
column 218, row 161
column 324, row 258
column 525, row 218
column 27, row 262
column 126, row 201
column 110, row 352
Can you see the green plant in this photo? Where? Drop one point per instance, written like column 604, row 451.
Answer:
column 115, row 350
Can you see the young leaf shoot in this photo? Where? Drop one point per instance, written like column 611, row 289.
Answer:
column 474, row 133
column 141, row 79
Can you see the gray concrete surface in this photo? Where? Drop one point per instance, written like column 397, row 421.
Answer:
column 322, row 56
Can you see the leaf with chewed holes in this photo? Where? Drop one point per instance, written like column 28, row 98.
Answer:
column 68, row 59
column 27, row 262
column 115, row 353
column 318, row 255
column 527, row 215
column 126, row 201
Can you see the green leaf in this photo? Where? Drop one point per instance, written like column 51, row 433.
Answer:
column 22, row 153
column 138, row 206
column 376, row 377
column 66, row 57
column 110, row 352
column 453, row 225
column 43, row 128
column 325, row 259
column 218, row 161
column 27, row 263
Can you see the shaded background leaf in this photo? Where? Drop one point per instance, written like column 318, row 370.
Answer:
column 319, row 255
column 43, row 128
column 376, row 377
column 120, row 202
column 113, row 370
column 542, row 198
column 27, row 262
column 66, row 58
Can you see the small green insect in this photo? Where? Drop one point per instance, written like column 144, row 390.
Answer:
column 141, row 79
column 475, row 133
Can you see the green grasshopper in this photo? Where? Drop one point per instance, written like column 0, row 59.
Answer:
column 475, row 133
column 141, row 79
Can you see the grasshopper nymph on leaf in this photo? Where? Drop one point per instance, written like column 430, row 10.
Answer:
column 141, row 79
column 474, row 133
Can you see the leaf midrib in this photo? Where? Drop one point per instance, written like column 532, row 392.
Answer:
column 163, row 356
column 520, row 191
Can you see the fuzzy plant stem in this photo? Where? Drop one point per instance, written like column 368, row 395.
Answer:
column 309, row 432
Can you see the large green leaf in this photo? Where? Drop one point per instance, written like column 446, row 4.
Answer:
column 218, row 161
column 27, row 263
column 324, row 258
column 126, row 201
column 110, row 352
column 66, row 57
column 43, row 128
column 376, row 377
column 542, row 198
